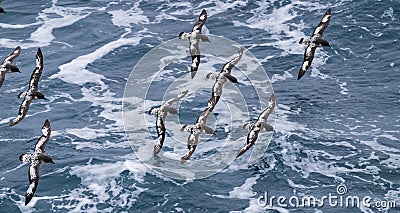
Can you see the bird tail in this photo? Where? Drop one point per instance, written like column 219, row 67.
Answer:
column 243, row 150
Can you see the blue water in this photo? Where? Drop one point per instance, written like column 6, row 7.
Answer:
column 338, row 125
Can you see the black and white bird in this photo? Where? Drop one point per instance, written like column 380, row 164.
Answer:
column 161, row 113
column 225, row 74
column 33, row 90
column 197, row 128
column 7, row 66
column 194, row 39
column 1, row 9
column 316, row 40
column 35, row 159
column 257, row 126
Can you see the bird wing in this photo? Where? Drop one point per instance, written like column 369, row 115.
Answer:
column 23, row 110
column 33, row 175
column 231, row 78
column 308, row 58
column 161, row 134
column 41, row 143
column 10, row 58
column 202, row 118
column 230, row 64
column 37, row 72
column 319, row 30
column 251, row 139
column 2, row 75
column 202, row 20
column 271, row 106
column 190, row 152
column 207, row 129
column 179, row 97
column 195, row 65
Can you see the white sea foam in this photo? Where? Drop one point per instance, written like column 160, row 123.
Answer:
column 124, row 18
column 47, row 22
column 76, row 72
column 101, row 180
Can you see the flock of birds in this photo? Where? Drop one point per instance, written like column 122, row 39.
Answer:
column 39, row 156
column 194, row 37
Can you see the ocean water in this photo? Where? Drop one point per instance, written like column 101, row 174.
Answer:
column 338, row 126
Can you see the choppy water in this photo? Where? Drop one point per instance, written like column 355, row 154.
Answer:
column 338, row 125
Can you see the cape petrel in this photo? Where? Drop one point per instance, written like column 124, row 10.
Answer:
column 221, row 78
column 161, row 113
column 194, row 39
column 33, row 90
column 197, row 128
column 35, row 159
column 257, row 126
column 7, row 66
column 313, row 42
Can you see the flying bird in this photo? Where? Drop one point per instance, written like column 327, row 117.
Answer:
column 225, row 74
column 197, row 128
column 161, row 113
column 257, row 126
column 313, row 42
column 35, row 159
column 194, row 39
column 33, row 90
column 7, row 66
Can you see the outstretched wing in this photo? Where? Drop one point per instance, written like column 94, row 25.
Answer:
column 251, row 139
column 41, row 143
column 33, row 176
column 308, row 58
column 37, row 72
column 228, row 66
column 161, row 135
column 271, row 106
column 195, row 65
column 319, row 30
column 207, row 129
column 202, row 20
column 179, row 97
column 10, row 58
column 202, row 118
column 2, row 75
column 23, row 110
column 186, row 157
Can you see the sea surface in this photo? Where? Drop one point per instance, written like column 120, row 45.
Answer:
column 338, row 127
